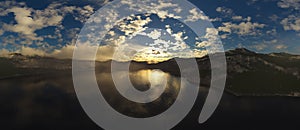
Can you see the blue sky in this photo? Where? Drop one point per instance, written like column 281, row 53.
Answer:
column 50, row 26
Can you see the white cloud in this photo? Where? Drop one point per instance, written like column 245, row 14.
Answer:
column 292, row 22
column 155, row 34
column 28, row 51
column 196, row 15
column 4, row 53
column 65, row 52
column 72, row 33
column 199, row 53
column 294, row 4
column 280, row 47
column 178, row 10
column 229, row 13
column 225, row 11
column 4, row 5
column 168, row 29
column 84, row 13
column 29, row 20
column 260, row 47
column 111, row 33
column 202, row 44
column 178, row 36
column 273, row 41
column 33, row 20
column 211, row 34
column 25, row 23
column 210, row 41
column 134, row 26
column 1, row 32
column 271, row 44
column 237, row 18
column 243, row 28
column 89, row 8
column 272, row 32
column 162, row 9
column 104, row 53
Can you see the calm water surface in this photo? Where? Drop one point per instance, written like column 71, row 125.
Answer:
column 50, row 102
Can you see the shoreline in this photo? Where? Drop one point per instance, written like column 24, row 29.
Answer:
column 16, row 76
column 260, row 95
column 52, row 72
column 226, row 90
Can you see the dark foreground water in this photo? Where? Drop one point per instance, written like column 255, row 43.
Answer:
column 50, row 103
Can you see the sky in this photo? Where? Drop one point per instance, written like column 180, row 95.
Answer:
column 51, row 27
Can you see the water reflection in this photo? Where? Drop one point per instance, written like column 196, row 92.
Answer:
column 49, row 102
column 142, row 80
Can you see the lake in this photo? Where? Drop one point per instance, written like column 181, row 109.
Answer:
column 50, row 102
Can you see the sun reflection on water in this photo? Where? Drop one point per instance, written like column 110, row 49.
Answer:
column 141, row 80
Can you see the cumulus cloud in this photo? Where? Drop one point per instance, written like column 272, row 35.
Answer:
column 89, row 8
column 162, row 9
column 272, row 32
column 229, row 13
column 225, row 10
column 260, row 47
column 4, row 53
column 243, row 28
column 241, row 18
column 104, row 53
column 162, row 46
column 27, row 51
column 210, row 41
column 134, row 26
column 33, row 20
column 273, row 44
column 4, row 5
column 1, row 32
column 280, row 47
column 294, row 4
column 292, row 22
column 196, row 15
column 155, row 34
column 29, row 20
column 25, row 23
column 66, row 52
column 237, row 18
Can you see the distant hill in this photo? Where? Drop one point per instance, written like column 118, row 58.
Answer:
column 248, row 73
column 19, row 65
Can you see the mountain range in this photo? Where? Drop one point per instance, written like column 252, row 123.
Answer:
column 248, row 73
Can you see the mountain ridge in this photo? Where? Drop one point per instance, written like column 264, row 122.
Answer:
column 248, row 73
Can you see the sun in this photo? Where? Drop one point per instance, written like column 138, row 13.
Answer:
column 152, row 55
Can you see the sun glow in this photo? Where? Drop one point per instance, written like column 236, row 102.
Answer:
column 155, row 77
column 152, row 56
